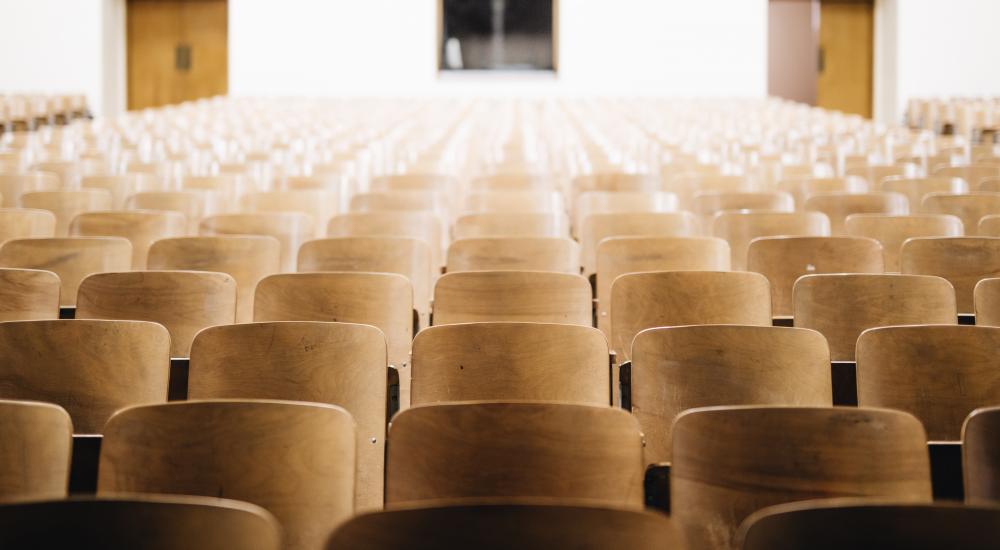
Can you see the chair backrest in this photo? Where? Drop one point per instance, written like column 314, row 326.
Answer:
column 904, row 368
column 90, row 368
column 152, row 522
column 406, row 201
column 294, row 459
column 987, row 302
column 621, row 202
column 140, row 227
column 120, row 186
column 964, row 261
column 615, row 181
column 182, row 301
column 740, row 228
column 28, row 294
column 26, row 223
column 246, row 258
column 981, row 456
column 66, row 205
column 514, row 254
column 480, row 450
column 842, row 306
column 514, row 224
column 598, row 227
column 513, row 181
column 916, row 189
column 970, row 207
column 518, row 296
column 838, row 206
column 540, row 201
column 425, row 226
column 803, row 188
column 989, row 226
column 973, row 174
column 680, row 368
column 892, row 231
column 12, row 186
column 290, row 228
column 526, row 525
column 34, row 458
column 71, row 258
column 729, row 462
column 672, row 298
column 708, row 204
column 320, row 206
column 414, row 182
column 784, row 259
column 194, row 205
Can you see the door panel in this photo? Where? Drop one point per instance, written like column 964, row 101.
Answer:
column 846, row 31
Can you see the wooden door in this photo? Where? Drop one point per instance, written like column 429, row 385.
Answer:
column 846, row 32
column 177, row 51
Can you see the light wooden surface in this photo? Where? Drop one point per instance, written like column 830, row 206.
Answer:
column 511, row 225
column 784, row 259
column 970, row 208
column 292, row 229
column 151, row 522
column 842, row 306
column 729, row 462
column 709, row 204
column 140, row 227
column 245, row 258
column 522, row 296
column 621, row 202
column 740, row 228
column 12, row 186
column 963, row 261
column 989, row 226
column 399, row 201
column 539, row 201
column 973, row 174
column 514, row 254
column 892, row 231
column 90, row 368
column 28, row 294
column 511, row 450
column 916, row 189
column 838, row 206
column 26, row 223
column 193, row 204
column 803, row 188
column 294, row 459
column 511, row 181
column 66, row 205
column 420, row 225
column 414, row 182
column 72, row 258
column 939, row 374
column 121, row 186
column 337, row 363
column 671, row 298
column 34, row 458
column 598, row 227
column 680, row 368
column 981, row 456
column 320, row 206
column 182, row 301
column 615, row 181
column 987, row 302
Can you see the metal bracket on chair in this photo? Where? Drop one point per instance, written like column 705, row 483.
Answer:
column 392, row 393
column 180, row 368
column 844, row 376
column 656, row 487
column 67, row 312
column 946, row 470
column 625, row 384
column 83, row 465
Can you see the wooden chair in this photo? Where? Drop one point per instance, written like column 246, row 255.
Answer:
column 513, row 450
column 986, row 298
column 687, row 185
column 598, row 227
column 533, row 201
column 838, row 206
column 970, row 208
column 620, row 255
column 337, row 363
column 12, row 186
column 680, row 368
column 621, row 202
column 90, row 368
column 320, row 206
column 513, row 224
column 729, row 462
column 615, row 181
column 972, row 173
column 964, row 261
column 184, row 302
column 707, row 205
column 515, row 296
column 842, row 306
column 294, row 459
column 513, row 181
column 26, row 223
column 514, row 254
column 72, row 259
column 833, row 524
column 672, row 298
column 892, row 231
column 140, row 227
column 803, row 188
column 34, row 458
column 740, row 228
column 981, row 456
column 989, row 226
column 228, row 186
column 290, row 228
column 421, row 225
column 414, row 182
column 121, row 186
column 245, row 258
column 28, row 295
column 66, row 205
column 523, row 524
column 194, row 205
column 876, row 174
column 916, row 189
column 400, row 201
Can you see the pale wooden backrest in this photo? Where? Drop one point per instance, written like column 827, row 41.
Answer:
column 421, row 225
column 318, row 205
column 729, row 462
column 511, row 181
column 90, row 368
column 621, row 202
column 519, row 296
column 989, row 226
column 970, row 208
column 784, row 259
column 26, row 223
column 838, row 206
column 480, row 449
column 916, row 189
column 680, row 368
column 708, row 204
column 972, row 174
column 514, row 254
column 892, row 231
column 615, row 181
column 803, row 188
column 412, row 201
column 153, row 522
column 876, row 174
column 182, row 301
column 539, row 201
column 66, row 205
column 964, row 261
column 986, row 298
column 72, row 259
column 337, row 363
column 740, row 228
column 245, row 258
column 686, row 185
column 414, row 182
column 294, row 459
column 120, row 186
column 511, row 225
column 671, row 298
column 28, row 294
column 290, row 228
column 228, row 186
column 842, row 306
column 981, row 456
column 194, row 205
column 140, row 227
column 319, row 181
column 620, row 255
column 12, row 186
column 34, row 458
column 598, row 227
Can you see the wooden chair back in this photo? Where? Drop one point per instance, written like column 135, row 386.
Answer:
column 708, row 204
column 514, row 254
column 26, row 223
column 515, row 224
column 536, row 201
column 981, row 456
column 34, row 458
column 292, row 229
column 970, row 207
column 838, row 206
column 964, row 261
column 72, row 259
column 12, row 186
column 194, row 205
column 28, row 294
column 803, row 188
column 916, row 189
column 989, row 226
column 621, row 202
column 140, row 227
column 320, row 206
column 986, row 298
column 973, row 174
column 740, row 228
column 420, row 225
column 400, row 201
column 598, row 227
column 892, row 231
column 66, row 205
column 414, row 182
column 514, row 296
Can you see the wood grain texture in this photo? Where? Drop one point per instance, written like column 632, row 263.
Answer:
column 671, row 298
column 621, row 202
column 37, row 444
column 963, row 261
column 729, row 462
column 842, row 306
column 294, row 459
column 400, row 201
column 916, row 189
column 320, row 206
column 292, row 229
column 90, row 368
column 892, row 231
column 140, row 227
column 520, row 296
column 784, row 259
column 989, row 226
column 28, row 294
column 515, row 224
column 26, row 223
column 981, row 456
column 337, row 363
column 838, row 206
column 193, row 204
column 680, row 368
column 66, row 205
column 740, row 228
column 708, row 204
column 615, row 181
column 803, row 188
column 184, row 302
column 987, row 302
column 514, row 254
column 420, row 225
column 72, row 259
column 970, row 207
column 598, row 227
column 511, row 450
column 534, row 201
column 12, row 186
